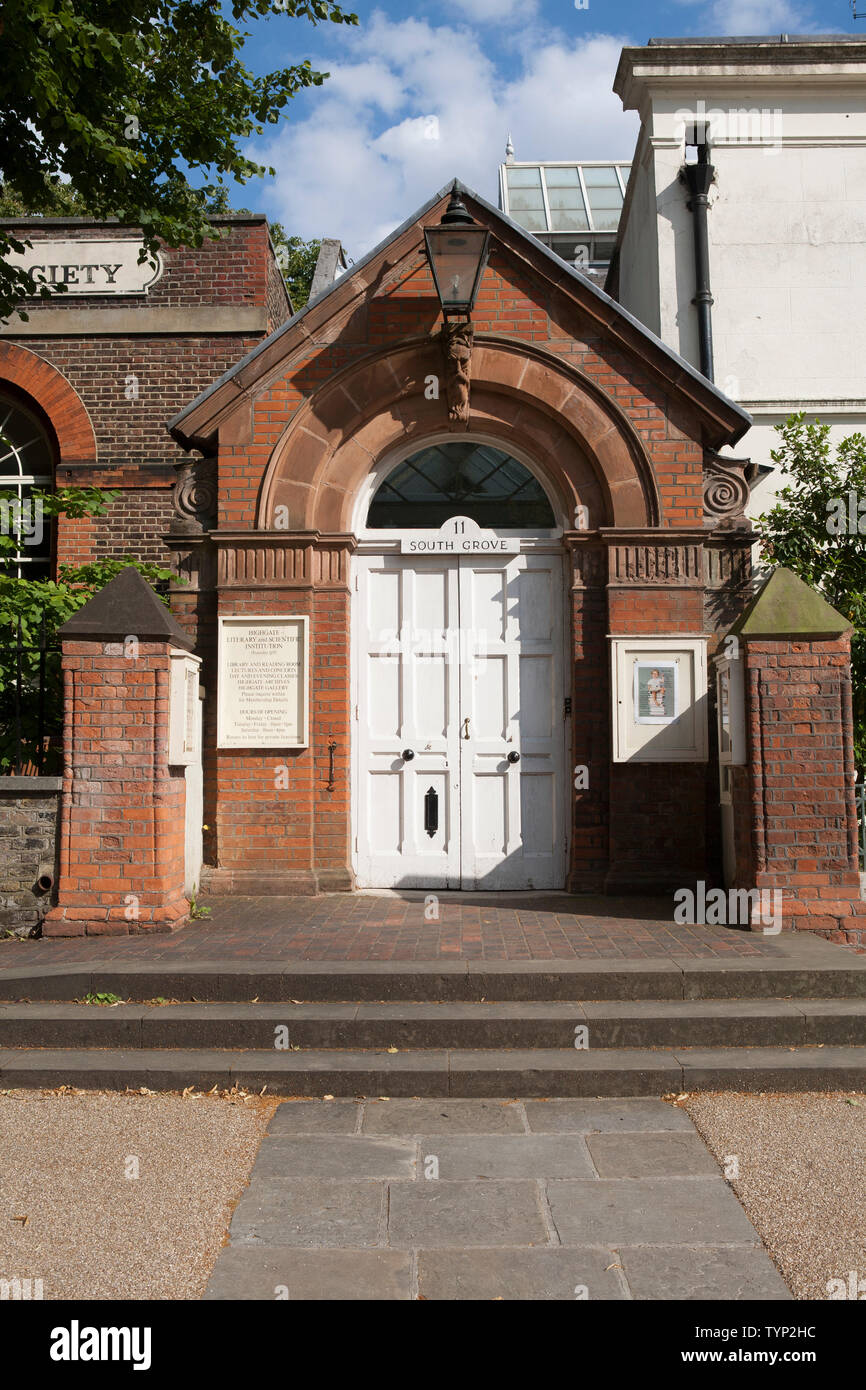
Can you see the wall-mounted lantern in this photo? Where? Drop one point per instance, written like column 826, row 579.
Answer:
column 457, row 252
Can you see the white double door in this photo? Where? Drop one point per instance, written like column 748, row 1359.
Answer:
column 458, row 722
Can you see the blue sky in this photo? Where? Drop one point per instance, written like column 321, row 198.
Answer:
column 419, row 92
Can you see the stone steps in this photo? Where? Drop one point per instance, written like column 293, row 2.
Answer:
column 434, row 1072
column 359, row 1026
column 808, row 968
column 788, row 1017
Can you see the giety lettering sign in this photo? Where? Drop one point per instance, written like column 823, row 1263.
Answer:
column 89, row 267
column 459, row 535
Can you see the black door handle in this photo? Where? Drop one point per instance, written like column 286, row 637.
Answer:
column 407, row 755
column 514, row 756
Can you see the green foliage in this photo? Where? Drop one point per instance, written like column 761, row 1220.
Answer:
column 52, row 199
column 41, row 606
column 123, row 100
column 196, row 909
column 802, row 532
column 104, row 998
column 297, row 260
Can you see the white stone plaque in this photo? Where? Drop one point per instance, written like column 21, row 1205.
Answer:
column 88, row 267
column 459, row 535
column 263, row 699
column 183, row 722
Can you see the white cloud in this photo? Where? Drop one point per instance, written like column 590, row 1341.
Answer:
column 755, row 17
column 416, row 104
column 487, row 11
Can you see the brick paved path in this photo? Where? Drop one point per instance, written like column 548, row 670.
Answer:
column 346, row 926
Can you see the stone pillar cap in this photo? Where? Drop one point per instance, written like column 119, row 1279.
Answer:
column 786, row 609
column 126, row 607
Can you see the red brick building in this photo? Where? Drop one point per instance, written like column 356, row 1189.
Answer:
column 455, row 593
column 103, row 366
column 590, row 448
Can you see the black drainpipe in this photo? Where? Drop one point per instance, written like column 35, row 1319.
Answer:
column 698, row 178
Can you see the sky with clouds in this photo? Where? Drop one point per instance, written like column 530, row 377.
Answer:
column 423, row 91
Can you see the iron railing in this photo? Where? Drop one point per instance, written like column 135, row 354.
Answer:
column 31, row 702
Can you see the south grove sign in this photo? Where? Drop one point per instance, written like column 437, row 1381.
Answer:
column 89, row 267
column 459, row 535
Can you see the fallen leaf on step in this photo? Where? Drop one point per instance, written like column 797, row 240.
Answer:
column 393, row 1049
column 22, row 1219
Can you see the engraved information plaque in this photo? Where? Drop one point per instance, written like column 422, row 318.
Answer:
column 263, row 682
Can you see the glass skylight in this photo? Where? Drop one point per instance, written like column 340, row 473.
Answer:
column 565, row 197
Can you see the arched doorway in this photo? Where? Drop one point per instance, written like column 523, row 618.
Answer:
column 458, row 676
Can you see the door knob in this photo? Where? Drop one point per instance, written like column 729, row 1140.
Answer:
column 407, row 755
column 514, row 756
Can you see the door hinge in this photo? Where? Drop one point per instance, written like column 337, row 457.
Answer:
column 566, row 707
column 356, row 711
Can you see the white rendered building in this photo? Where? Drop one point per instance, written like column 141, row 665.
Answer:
column 782, row 123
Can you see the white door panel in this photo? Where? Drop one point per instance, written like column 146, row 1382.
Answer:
column 458, row 660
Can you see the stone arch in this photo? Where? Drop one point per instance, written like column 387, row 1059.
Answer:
column 583, row 441
column 56, row 399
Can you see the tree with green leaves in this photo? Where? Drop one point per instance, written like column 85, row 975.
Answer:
column 817, row 528
column 297, row 260
column 32, row 610
column 121, row 101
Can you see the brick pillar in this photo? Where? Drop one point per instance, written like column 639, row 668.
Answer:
column 794, row 810
column 121, row 860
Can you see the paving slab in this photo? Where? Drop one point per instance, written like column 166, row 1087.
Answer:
column 336, row 1156
column 247, row 1272
column 650, row 1156
column 435, row 1117
column 648, row 1211
column 310, row 1212
column 315, row 1117
column 530, row 1200
column 510, row 1156
column 519, row 1274
column 436, row 1214
column 587, row 1116
column 729, row 1272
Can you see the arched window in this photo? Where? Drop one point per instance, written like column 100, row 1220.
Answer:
column 26, row 465
column 460, row 478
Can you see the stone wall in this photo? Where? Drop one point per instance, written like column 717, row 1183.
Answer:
column 28, row 848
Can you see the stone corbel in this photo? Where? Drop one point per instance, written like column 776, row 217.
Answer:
column 727, row 486
column 195, row 498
